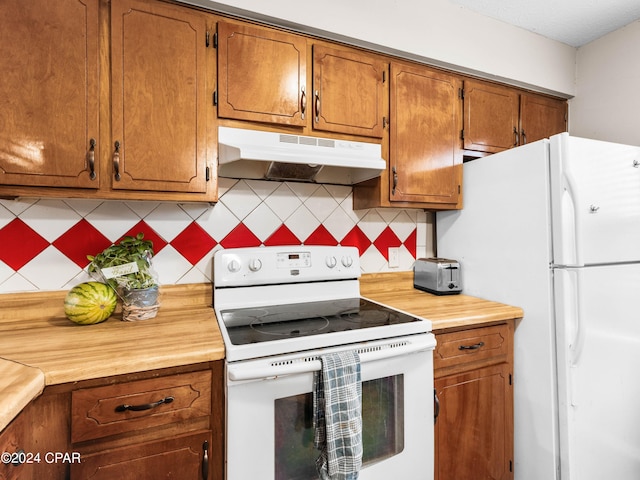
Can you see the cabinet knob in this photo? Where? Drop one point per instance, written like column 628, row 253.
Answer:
column 116, row 160
column 91, row 159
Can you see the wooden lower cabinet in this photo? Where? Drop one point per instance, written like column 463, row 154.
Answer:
column 157, row 424
column 185, row 457
column 473, row 383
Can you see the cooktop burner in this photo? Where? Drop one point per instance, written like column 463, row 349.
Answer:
column 254, row 325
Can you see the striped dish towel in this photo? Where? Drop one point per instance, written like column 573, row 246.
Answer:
column 337, row 406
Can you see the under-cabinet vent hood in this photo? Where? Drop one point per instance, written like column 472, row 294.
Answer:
column 276, row 156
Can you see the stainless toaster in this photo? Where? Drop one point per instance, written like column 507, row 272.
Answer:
column 439, row 276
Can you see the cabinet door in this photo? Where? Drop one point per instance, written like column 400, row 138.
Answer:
column 490, row 117
column 474, row 428
column 261, row 75
column 186, row 457
column 348, row 92
column 158, row 55
column 425, row 154
column 541, row 117
column 49, row 92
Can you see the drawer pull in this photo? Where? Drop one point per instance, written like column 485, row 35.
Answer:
column 144, row 406
column 471, row 347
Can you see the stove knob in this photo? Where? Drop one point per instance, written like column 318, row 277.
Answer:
column 331, row 262
column 347, row 261
column 233, row 266
column 255, row 264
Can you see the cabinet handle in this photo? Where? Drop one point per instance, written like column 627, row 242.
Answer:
column 205, row 460
column 524, row 137
column 144, row 406
column 91, row 158
column 116, row 160
column 436, row 401
column 471, row 347
column 395, row 180
column 516, row 139
column 317, row 106
column 303, row 102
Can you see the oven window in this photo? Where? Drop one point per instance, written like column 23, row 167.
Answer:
column 382, row 428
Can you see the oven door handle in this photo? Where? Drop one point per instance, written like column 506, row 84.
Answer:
column 241, row 372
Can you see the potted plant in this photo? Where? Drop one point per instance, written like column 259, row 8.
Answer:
column 126, row 266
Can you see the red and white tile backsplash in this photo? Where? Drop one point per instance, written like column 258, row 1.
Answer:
column 44, row 242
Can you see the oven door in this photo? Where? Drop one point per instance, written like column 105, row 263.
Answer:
column 269, row 413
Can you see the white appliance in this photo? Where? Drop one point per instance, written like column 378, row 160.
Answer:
column 256, row 154
column 280, row 309
column 554, row 227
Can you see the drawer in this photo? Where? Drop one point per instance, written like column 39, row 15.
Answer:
column 484, row 345
column 125, row 407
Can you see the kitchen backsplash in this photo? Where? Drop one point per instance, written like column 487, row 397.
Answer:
column 44, row 242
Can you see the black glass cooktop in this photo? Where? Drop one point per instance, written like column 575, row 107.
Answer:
column 264, row 324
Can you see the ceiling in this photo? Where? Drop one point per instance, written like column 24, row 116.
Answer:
column 574, row 22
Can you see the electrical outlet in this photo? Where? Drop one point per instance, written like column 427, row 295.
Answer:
column 394, row 257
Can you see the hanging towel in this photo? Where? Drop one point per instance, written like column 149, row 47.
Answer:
column 337, row 406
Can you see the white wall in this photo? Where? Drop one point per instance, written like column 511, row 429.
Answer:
column 437, row 30
column 607, row 102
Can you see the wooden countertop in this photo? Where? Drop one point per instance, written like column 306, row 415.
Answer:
column 445, row 311
column 38, row 344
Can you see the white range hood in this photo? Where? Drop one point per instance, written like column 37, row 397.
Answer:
column 278, row 156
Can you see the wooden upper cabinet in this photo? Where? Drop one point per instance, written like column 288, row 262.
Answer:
column 159, row 97
column 425, row 156
column 349, row 91
column 49, row 92
column 541, row 117
column 262, row 75
column 490, row 117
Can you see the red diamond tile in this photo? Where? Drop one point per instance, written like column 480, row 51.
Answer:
column 321, row 236
column 385, row 240
column 282, row 236
column 240, row 236
column 149, row 234
column 356, row 238
column 20, row 244
column 81, row 240
column 411, row 243
column 193, row 243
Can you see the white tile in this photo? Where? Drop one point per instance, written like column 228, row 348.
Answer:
column 50, row 270
column 388, row 214
column 339, row 224
column 82, row 277
column 339, row 192
column 303, row 190
column 283, row 201
column 205, row 265
column 113, row 219
column 6, row 217
column 263, row 188
column 18, row 205
column 321, row 204
column 5, row 271
column 168, row 220
column 225, row 184
column 195, row 210
column 347, row 206
column 240, row 200
column 218, row 221
column 302, row 223
column 170, row 265
column 402, row 225
column 372, row 261
column 17, row 283
column 372, row 225
column 142, row 208
column 50, row 218
column 83, row 206
column 262, row 222
column 406, row 260
column 193, row 276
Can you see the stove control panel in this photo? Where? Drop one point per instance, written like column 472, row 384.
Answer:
column 287, row 264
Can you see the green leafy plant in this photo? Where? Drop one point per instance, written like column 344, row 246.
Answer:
column 128, row 250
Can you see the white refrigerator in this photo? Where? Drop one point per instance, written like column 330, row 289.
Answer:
column 554, row 227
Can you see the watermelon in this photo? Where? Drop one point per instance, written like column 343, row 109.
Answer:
column 90, row 302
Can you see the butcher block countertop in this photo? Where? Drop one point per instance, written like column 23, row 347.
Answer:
column 39, row 346
column 445, row 311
